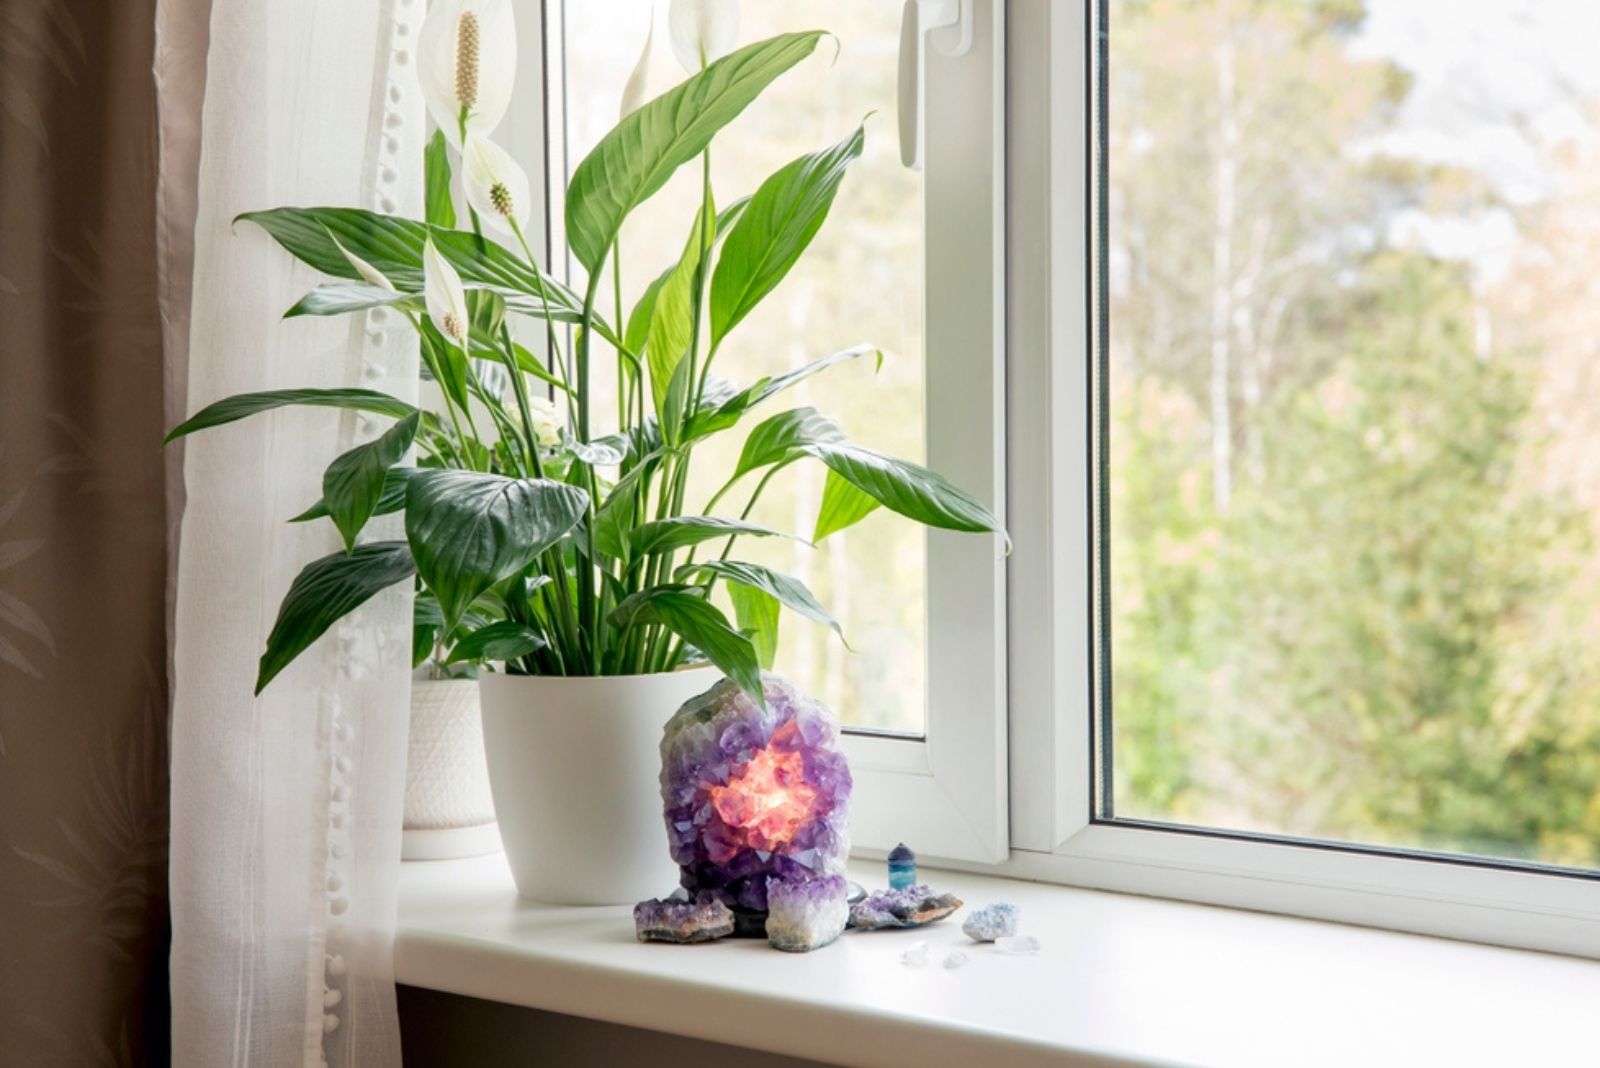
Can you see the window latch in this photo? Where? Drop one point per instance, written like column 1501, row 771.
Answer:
column 947, row 24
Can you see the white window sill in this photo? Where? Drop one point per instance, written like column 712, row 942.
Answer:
column 1121, row 980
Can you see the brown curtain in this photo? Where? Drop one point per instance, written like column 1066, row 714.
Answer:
column 83, row 521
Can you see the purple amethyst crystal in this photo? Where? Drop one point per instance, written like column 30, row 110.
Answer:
column 669, row 920
column 911, row 907
column 806, row 914
column 752, row 794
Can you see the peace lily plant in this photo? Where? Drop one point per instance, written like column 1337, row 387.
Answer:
column 553, row 548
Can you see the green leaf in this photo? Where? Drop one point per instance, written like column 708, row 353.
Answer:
column 339, row 298
column 730, row 215
column 353, row 484
column 422, row 637
column 700, row 623
column 637, row 333
column 842, row 506
column 487, row 310
column 672, row 404
column 614, row 520
column 390, row 500
column 394, row 246
column 645, row 439
column 535, row 367
column 781, row 437
column 469, row 531
column 784, row 215
column 637, row 157
column 446, row 362
column 672, row 328
column 728, row 412
column 425, row 624
column 788, row 590
column 507, row 639
column 246, row 404
column 599, row 453
column 484, row 264
column 326, row 591
column 436, row 174
column 904, row 487
column 425, row 610
column 757, row 612
column 772, row 386
column 633, row 608
column 664, row 535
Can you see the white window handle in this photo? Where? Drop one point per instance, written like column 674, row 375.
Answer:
column 917, row 21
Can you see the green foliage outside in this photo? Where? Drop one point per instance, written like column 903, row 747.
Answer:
column 1367, row 614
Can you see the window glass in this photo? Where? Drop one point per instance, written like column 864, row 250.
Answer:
column 1353, row 421
column 860, row 281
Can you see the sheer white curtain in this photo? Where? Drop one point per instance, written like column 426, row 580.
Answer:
column 286, row 808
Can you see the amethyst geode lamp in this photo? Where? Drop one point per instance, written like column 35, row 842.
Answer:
column 754, row 794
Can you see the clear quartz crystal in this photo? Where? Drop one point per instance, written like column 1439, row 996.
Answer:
column 956, row 959
column 1017, row 945
column 915, row 956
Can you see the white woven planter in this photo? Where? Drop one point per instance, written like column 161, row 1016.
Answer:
column 449, row 808
column 575, row 764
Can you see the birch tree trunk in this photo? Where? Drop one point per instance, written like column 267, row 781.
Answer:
column 1225, row 196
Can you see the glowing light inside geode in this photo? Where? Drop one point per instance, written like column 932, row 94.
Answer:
column 770, row 800
column 753, row 794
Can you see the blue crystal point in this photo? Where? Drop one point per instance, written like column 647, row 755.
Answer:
column 902, row 867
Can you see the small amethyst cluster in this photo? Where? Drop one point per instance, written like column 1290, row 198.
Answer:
column 912, row 906
column 704, row 919
column 806, row 914
column 753, row 793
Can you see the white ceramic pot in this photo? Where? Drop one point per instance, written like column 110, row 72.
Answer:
column 449, row 811
column 575, row 764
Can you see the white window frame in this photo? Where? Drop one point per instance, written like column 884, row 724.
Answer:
column 1055, row 835
column 1009, row 158
column 946, row 790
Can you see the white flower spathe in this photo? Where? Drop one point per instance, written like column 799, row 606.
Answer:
column 496, row 185
column 546, row 421
column 445, row 296
column 633, row 91
column 467, row 58
column 370, row 274
column 702, row 30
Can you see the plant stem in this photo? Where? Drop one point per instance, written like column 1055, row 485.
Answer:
column 680, row 473
column 751, row 506
column 449, row 408
column 520, row 388
column 555, row 561
column 587, row 614
column 544, row 306
column 622, row 378
column 502, row 423
column 727, row 548
column 717, row 496
column 708, row 224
